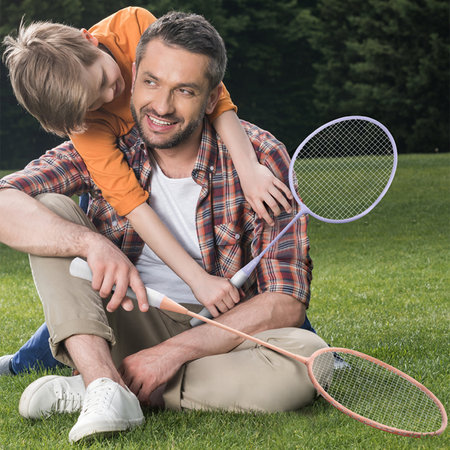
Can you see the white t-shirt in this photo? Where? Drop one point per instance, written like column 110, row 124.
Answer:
column 175, row 202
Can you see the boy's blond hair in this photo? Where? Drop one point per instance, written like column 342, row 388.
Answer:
column 46, row 61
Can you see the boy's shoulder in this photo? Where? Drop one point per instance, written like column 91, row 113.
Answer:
column 124, row 18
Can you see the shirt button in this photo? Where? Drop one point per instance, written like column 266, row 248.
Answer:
column 237, row 236
column 211, row 168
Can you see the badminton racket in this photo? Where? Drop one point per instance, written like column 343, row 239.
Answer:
column 361, row 386
column 338, row 174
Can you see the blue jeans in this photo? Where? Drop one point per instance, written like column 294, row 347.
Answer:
column 35, row 353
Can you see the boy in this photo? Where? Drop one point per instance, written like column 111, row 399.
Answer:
column 88, row 99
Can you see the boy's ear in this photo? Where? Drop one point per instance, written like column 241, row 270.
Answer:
column 214, row 96
column 89, row 37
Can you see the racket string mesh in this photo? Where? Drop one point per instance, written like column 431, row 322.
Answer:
column 376, row 393
column 342, row 170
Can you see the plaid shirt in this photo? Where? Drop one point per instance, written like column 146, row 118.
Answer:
column 229, row 233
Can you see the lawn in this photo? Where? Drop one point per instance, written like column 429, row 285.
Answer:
column 381, row 285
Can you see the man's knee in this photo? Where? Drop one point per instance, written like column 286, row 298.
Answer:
column 297, row 340
column 252, row 377
column 64, row 207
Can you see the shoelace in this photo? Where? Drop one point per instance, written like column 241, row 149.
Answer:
column 97, row 399
column 67, row 401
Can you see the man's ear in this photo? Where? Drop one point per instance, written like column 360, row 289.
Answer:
column 133, row 75
column 92, row 39
column 214, row 97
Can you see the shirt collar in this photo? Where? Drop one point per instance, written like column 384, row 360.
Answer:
column 207, row 155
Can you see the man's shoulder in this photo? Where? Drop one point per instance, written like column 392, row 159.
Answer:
column 261, row 139
column 270, row 151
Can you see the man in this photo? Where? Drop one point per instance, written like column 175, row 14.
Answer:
column 125, row 355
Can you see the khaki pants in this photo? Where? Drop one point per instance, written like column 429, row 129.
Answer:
column 249, row 378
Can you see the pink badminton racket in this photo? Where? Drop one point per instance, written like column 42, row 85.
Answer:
column 362, row 387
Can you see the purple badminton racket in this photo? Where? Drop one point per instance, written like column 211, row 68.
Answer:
column 338, row 174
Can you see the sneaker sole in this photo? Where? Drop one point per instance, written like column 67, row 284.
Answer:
column 93, row 430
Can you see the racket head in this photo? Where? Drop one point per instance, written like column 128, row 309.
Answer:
column 375, row 393
column 343, row 169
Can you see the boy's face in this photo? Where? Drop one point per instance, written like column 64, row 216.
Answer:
column 104, row 80
column 171, row 95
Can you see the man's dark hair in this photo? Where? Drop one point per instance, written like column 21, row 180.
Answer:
column 193, row 33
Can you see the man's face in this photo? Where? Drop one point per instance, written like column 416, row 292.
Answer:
column 171, row 94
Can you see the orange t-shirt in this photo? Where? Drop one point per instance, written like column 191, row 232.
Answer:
column 120, row 34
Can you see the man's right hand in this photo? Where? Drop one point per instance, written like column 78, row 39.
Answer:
column 110, row 267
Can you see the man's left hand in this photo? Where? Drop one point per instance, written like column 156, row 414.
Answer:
column 145, row 371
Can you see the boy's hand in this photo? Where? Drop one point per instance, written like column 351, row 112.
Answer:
column 217, row 294
column 265, row 192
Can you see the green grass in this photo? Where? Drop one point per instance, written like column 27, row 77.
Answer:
column 381, row 285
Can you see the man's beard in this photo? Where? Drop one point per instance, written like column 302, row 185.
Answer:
column 179, row 137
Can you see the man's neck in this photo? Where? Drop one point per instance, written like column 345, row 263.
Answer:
column 179, row 161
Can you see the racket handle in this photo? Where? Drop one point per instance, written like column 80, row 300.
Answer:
column 204, row 313
column 240, row 277
column 79, row 268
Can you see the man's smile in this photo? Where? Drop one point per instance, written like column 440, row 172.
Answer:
column 160, row 124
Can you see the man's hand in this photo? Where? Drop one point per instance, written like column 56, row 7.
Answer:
column 148, row 369
column 217, row 294
column 110, row 267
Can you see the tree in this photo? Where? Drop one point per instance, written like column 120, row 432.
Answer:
column 388, row 60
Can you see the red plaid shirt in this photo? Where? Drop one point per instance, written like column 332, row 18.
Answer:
column 229, row 233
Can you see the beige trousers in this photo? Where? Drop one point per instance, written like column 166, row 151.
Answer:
column 249, row 378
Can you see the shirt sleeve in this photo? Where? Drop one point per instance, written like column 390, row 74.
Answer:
column 287, row 267
column 60, row 170
column 108, row 167
column 224, row 104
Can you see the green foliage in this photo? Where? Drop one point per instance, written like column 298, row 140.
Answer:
column 388, row 60
column 292, row 65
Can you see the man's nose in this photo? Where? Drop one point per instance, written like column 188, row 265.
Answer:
column 163, row 103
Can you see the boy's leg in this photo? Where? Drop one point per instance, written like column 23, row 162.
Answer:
column 35, row 354
column 250, row 377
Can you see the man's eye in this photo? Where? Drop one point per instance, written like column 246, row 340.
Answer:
column 149, row 82
column 187, row 92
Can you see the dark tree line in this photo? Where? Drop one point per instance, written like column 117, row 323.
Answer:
column 293, row 64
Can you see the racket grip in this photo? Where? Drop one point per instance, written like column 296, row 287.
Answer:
column 204, row 313
column 239, row 278
column 79, row 268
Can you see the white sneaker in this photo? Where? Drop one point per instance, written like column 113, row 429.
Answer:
column 52, row 394
column 4, row 365
column 107, row 408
